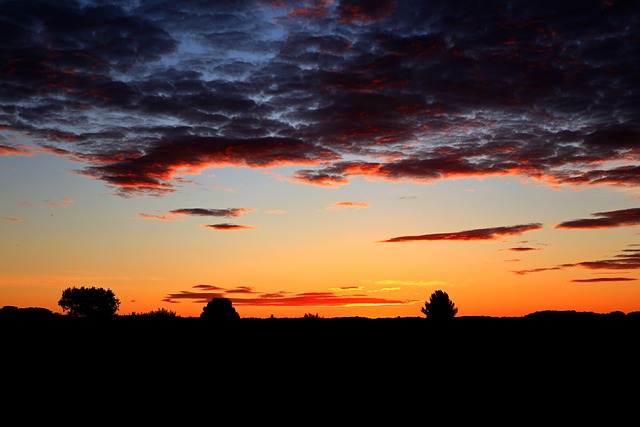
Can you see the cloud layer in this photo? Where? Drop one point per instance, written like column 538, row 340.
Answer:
column 146, row 92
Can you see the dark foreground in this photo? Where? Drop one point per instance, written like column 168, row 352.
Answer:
column 542, row 335
column 577, row 369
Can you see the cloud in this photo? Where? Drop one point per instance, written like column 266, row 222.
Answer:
column 284, row 299
column 15, row 150
column 159, row 217
column 154, row 171
column 55, row 203
column 610, row 219
column 604, row 279
column 142, row 94
column 536, row 270
column 387, row 283
column 171, row 216
column 365, row 12
column 227, row 226
column 12, row 219
column 208, row 287
column 523, row 249
column 629, row 259
column 230, row 213
column 493, row 233
column 347, row 205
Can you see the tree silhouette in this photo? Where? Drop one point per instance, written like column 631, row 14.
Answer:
column 89, row 302
column 219, row 309
column 439, row 306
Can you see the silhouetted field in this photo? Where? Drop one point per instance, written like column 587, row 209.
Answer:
column 535, row 362
column 541, row 332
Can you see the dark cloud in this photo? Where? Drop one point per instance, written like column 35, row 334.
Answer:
column 493, row 233
column 604, row 279
column 208, row 287
column 536, row 270
column 231, row 212
column 610, row 219
column 523, row 249
column 227, row 226
column 629, row 259
column 154, row 171
column 620, row 262
column 407, row 90
column 364, row 11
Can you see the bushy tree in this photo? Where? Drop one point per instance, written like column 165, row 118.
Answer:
column 89, row 302
column 219, row 309
column 439, row 306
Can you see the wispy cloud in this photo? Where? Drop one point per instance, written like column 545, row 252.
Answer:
column 227, row 226
column 523, row 249
column 15, row 150
column 396, row 284
column 12, row 219
column 163, row 217
column 493, row 233
column 628, row 259
column 347, row 205
column 610, row 219
column 229, row 213
column 56, row 203
column 171, row 216
column 285, row 299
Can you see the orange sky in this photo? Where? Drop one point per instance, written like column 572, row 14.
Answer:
column 342, row 158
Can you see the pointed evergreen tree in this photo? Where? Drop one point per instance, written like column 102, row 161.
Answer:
column 439, row 306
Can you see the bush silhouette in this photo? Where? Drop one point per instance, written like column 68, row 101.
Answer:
column 160, row 313
column 89, row 302
column 219, row 309
column 439, row 306
column 29, row 313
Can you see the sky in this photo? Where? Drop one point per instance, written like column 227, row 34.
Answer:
column 336, row 158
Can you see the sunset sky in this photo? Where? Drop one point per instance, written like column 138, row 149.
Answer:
column 339, row 158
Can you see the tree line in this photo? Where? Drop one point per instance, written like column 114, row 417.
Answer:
column 99, row 303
